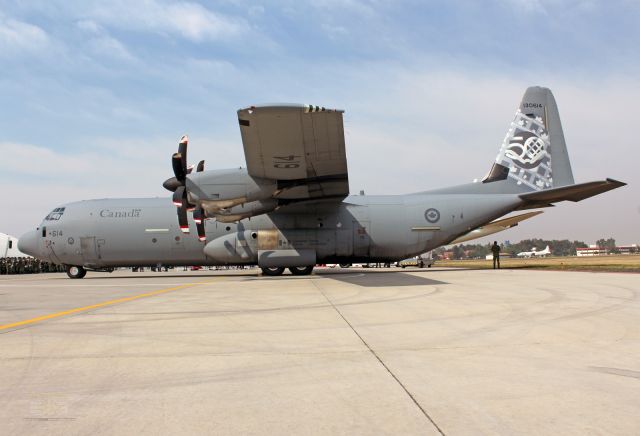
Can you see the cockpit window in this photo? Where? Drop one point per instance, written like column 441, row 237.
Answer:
column 55, row 215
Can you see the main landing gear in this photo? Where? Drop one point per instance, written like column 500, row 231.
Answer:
column 295, row 270
column 75, row 272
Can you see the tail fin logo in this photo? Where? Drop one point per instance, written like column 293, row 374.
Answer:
column 526, row 150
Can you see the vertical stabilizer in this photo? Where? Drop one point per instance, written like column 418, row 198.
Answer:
column 533, row 153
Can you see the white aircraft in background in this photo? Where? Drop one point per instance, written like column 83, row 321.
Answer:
column 535, row 253
column 9, row 246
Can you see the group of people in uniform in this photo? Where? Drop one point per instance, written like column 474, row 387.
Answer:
column 27, row 265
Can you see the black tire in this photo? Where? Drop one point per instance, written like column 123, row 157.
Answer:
column 345, row 265
column 75, row 272
column 274, row 271
column 301, row 270
column 421, row 264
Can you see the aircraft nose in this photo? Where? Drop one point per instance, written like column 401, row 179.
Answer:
column 28, row 243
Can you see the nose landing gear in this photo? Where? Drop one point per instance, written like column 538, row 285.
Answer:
column 75, row 272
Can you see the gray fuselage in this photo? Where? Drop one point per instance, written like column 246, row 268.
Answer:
column 144, row 231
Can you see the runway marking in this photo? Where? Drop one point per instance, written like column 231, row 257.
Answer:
column 98, row 305
column 31, row 285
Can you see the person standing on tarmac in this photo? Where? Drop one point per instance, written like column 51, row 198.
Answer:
column 495, row 249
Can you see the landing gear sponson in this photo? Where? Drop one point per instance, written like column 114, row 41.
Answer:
column 295, row 270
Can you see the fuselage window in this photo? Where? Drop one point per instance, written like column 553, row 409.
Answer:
column 10, row 244
column 44, row 232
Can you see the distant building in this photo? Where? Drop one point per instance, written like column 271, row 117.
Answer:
column 594, row 250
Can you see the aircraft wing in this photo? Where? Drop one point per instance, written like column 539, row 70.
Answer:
column 495, row 227
column 300, row 146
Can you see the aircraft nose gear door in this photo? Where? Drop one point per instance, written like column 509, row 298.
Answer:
column 90, row 251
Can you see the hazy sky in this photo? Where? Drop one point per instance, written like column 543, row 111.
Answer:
column 95, row 95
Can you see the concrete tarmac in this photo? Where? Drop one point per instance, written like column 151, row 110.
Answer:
column 436, row 351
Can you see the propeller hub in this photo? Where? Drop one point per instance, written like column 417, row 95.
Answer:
column 171, row 184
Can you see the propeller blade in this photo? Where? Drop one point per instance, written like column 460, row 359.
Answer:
column 198, row 217
column 178, row 194
column 171, row 184
column 182, row 149
column 178, row 170
column 200, row 167
column 201, row 234
column 183, row 220
column 180, row 200
column 179, row 160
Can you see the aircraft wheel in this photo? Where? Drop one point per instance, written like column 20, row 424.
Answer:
column 75, row 272
column 301, row 270
column 345, row 265
column 274, row 271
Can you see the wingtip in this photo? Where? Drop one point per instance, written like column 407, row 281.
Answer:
column 618, row 183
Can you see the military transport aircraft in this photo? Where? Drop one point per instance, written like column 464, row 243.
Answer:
column 291, row 208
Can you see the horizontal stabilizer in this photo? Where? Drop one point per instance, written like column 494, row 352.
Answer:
column 571, row 193
column 495, row 227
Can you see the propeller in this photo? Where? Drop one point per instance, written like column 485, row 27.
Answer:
column 177, row 185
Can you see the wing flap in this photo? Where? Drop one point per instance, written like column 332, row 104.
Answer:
column 495, row 227
column 289, row 142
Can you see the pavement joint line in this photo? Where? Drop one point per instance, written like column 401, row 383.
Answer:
column 372, row 351
column 97, row 306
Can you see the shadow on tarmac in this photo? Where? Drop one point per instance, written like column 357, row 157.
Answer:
column 384, row 278
column 366, row 277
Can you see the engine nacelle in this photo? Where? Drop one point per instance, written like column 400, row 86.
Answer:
column 216, row 190
column 243, row 211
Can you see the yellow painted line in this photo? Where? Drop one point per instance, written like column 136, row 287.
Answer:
column 96, row 306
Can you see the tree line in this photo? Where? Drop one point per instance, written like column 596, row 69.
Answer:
column 562, row 247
